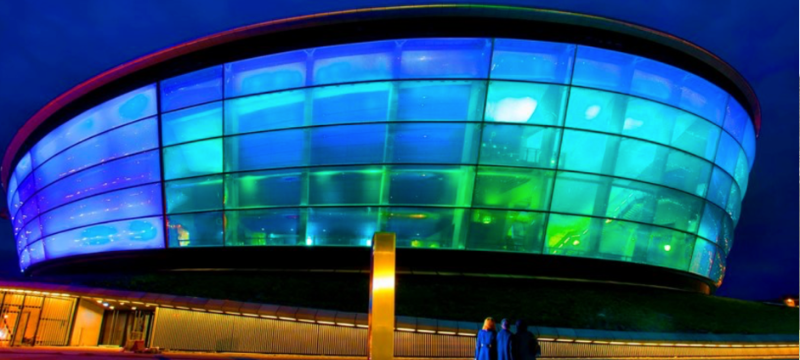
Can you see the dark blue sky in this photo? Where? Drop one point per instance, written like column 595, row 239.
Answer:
column 49, row 46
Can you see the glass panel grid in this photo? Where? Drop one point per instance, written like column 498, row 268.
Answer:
column 292, row 166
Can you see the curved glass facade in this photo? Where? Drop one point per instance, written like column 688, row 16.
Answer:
column 455, row 143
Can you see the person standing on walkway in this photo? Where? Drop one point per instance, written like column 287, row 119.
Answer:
column 486, row 343
column 505, row 341
column 526, row 345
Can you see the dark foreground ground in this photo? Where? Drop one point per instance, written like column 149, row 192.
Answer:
column 542, row 302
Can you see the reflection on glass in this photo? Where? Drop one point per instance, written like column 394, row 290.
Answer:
column 191, row 89
column 426, row 228
column 200, row 122
column 195, row 230
column 137, row 234
column 193, row 159
column 265, row 227
column 537, row 61
column 497, row 230
column 195, row 194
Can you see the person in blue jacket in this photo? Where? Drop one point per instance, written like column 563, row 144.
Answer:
column 505, row 341
column 486, row 343
column 526, row 345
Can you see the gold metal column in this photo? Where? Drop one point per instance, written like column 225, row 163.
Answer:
column 381, row 297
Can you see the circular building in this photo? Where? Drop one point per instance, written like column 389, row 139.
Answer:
column 492, row 141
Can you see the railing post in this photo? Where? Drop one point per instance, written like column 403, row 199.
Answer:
column 381, row 297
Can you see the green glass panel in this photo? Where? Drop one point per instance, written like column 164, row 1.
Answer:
column 687, row 172
column 588, row 152
column 641, row 160
column 195, row 194
column 265, row 227
column 572, row 235
column 264, row 189
column 498, row 230
column 427, row 228
column 649, row 120
column 596, row 110
column 345, row 185
column 513, row 188
column 431, row 185
column 193, row 159
column 191, row 124
column 669, row 248
column 519, row 145
column 195, row 230
column 695, row 135
column 635, row 201
column 517, row 102
column 583, row 194
column 265, row 112
column 621, row 240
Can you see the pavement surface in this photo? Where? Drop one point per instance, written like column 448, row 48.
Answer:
column 93, row 353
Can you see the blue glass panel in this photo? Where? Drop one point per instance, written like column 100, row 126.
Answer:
column 192, row 88
column 427, row 227
column 736, row 119
column 193, row 159
column 749, row 142
column 445, row 58
column 24, row 259
column 655, row 80
column 12, row 193
column 196, row 230
column 121, row 110
column 734, row 207
column 30, row 233
column 711, row 225
column 265, row 150
column 741, row 173
column 513, row 102
column 348, row 144
column 36, row 252
column 640, row 160
column 703, row 98
column 695, row 135
column 727, row 153
column 133, row 138
column 195, row 194
column 126, row 172
column 704, row 258
column 597, row 110
column 519, row 145
column 342, row 226
column 354, row 62
column 265, row 112
column 538, row 61
column 603, row 69
column 266, row 73
column 200, row 122
column 440, row 100
column 720, row 187
column 27, row 212
column 264, row 227
column 586, row 151
column 351, row 103
column 123, row 204
column 652, row 121
column 137, row 234
column 26, row 189
column 23, row 167
column 267, row 189
column 455, row 143
column 687, row 172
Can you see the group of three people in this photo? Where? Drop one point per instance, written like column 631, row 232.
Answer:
column 505, row 345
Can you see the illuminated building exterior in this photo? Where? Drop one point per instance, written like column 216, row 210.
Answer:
column 490, row 143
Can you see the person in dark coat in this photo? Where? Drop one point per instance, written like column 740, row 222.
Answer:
column 486, row 343
column 526, row 345
column 505, row 341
